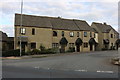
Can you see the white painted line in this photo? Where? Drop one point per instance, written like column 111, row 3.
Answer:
column 105, row 71
column 37, row 67
column 81, row 70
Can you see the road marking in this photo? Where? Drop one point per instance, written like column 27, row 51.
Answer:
column 37, row 67
column 81, row 70
column 105, row 71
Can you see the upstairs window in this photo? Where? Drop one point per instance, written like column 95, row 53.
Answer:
column 90, row 34
column 22, row 31
column 54, row 33
column 71, row 34
column 33, row 31
column 111, row 35
column 78, row 34
column 63, row 33
column 85, row 34
column 94, row 35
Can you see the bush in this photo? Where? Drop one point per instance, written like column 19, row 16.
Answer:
column 42, row 48
column 103, row 49
column 49, row 51
column 71, row 49
column 35, row 51
column 11, row 53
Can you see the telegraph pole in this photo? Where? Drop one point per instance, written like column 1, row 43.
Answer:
column 21, row 28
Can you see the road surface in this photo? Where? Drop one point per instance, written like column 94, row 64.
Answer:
column 85, row 65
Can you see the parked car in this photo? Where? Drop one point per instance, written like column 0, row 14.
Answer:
column 115, row 61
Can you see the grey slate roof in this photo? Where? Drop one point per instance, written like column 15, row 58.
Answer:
column 51, row 22
column 34, row 21
column 83, row 25
column 104, row 27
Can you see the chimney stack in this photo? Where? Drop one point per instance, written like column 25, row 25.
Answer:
column 105, row 23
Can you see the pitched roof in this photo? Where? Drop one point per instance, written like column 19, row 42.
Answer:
column 51, row 22
column 34, row 21
column 104, row 27
column 82, row 25
column 3, row 36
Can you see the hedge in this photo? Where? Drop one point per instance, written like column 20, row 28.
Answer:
column 11, row 53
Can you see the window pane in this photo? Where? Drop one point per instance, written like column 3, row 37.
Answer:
column 54, row 33
column 78, row 34
column 71, row 34
column 33, row 31
column 22, row 31
column 85, row 34
column 62, row 33
column 33, row 45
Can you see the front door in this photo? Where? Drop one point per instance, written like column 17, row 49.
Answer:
column 62, row 49
column 91, row 47
column 78, row 48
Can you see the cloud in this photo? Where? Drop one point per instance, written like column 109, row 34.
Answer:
column 8, row 29
column 76, row 9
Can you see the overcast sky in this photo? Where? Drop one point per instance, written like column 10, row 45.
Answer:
column 89, row 10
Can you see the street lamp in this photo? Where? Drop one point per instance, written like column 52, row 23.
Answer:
column 21, row 28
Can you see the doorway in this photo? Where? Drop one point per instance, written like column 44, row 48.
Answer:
column 91, row 47
column 62, row 50
column 78, row 48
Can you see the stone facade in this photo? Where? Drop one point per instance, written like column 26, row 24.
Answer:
column 56, row 32
column 106, row 33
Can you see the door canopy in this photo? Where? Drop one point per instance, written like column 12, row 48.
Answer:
column 79, row 41
column 92, row 41
column 118, row 41
column 63, row 41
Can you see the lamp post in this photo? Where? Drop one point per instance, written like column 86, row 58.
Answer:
column 21, row 28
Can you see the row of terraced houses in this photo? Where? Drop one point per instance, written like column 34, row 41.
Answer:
column 61, row 33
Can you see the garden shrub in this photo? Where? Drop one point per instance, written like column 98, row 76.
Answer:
column 11, row 53
column 71, row 49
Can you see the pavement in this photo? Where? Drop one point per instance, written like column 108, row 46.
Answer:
column 74, row 65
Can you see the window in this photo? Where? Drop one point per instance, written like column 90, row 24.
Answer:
column 85, row 45
column 85, row 34
column 33, row 45
column 94, row 35
column 54, row 33
column 111, row 44
column 71, row 44
column 78, row 34
column 114, row 36
column 22, row 31
column 62, row 33
column 33, row 31
column 90, row 34
column 111, row 35
column 55, row 45
column 71, row 34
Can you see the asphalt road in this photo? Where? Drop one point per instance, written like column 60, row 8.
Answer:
column 85, row 65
